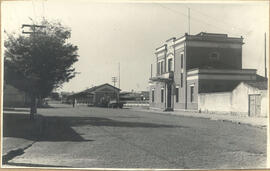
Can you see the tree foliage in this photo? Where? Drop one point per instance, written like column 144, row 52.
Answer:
column 39, row 62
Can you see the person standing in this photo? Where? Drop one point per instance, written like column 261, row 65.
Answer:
column 73, row 102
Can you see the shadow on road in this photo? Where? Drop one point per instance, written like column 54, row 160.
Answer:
column 44, row 129
column 101, row 121
column 52, row 128
column 20, row 126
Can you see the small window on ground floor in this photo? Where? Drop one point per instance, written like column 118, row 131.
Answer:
column 192, row 93
column 153, row 95
column 162, row 95
column 181, row 80
column 177, row 94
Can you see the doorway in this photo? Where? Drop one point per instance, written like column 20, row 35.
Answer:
column 254, row 102
column 169, row 96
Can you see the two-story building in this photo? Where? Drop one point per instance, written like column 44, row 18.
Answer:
column 193, row 64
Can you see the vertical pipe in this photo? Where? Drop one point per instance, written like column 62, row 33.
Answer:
column 119, row 75
column 265, row 69
column 188, row 21
column 151, row 70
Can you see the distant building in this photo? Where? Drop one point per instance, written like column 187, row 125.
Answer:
column 195, row 64
column 64, row 97
column 100, row 95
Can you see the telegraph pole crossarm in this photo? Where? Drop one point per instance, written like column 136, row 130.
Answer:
column 33, row 28
column 114, row 80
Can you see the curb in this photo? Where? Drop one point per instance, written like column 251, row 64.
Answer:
column 205, row 117
column 14, row 153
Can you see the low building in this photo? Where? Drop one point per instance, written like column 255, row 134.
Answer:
column 100, row 95
column 248, row 98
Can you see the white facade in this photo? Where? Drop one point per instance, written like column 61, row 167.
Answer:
column 236, row 102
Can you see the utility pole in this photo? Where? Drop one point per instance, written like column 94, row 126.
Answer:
column 119, row 75
column 188, row 21
column 33, row 32
column 114, row 80
column 265, row 69
column 151, row 70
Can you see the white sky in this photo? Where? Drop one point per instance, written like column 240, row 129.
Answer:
column 109, row 33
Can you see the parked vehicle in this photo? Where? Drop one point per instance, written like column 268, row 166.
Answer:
column 115, row 104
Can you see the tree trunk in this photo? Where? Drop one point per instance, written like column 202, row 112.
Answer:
column 33, row 108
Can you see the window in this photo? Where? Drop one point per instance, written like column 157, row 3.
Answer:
column 153, row 95
column 181, row 80
column 177, row 94
column 191, row 93
column 214, row 56
column 162, row 66
column 182, row 60
column 162, row 95
column 170, row 65
column 158, row 68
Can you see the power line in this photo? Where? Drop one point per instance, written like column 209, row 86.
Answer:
column 34, row 10
column 196, row 19
column 218, row 20
column 246, row 32
column 43, row 9
column 176, row 11
column 172, row 10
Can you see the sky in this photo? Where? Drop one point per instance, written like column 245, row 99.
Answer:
column 128, row 32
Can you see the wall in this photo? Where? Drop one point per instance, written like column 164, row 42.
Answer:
column 157, row 86
column 177, row 78
column 240, row 99
column 194, row 103
column 12, row 97
column 208, row 86
column 215, row 102
column 264, row 103
column 85, row 100
column 235, row 102
column 199, row 53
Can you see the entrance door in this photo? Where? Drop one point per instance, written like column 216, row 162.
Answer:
column 254, row 105
column 169, row 97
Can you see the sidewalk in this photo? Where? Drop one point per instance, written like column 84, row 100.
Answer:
column 19, row 133
column 253, row 121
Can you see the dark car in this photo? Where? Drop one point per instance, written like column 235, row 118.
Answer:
column 115, row 104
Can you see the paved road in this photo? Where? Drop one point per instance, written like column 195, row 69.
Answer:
column 85, row 137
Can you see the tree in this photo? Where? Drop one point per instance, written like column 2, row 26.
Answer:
column 41, row 61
